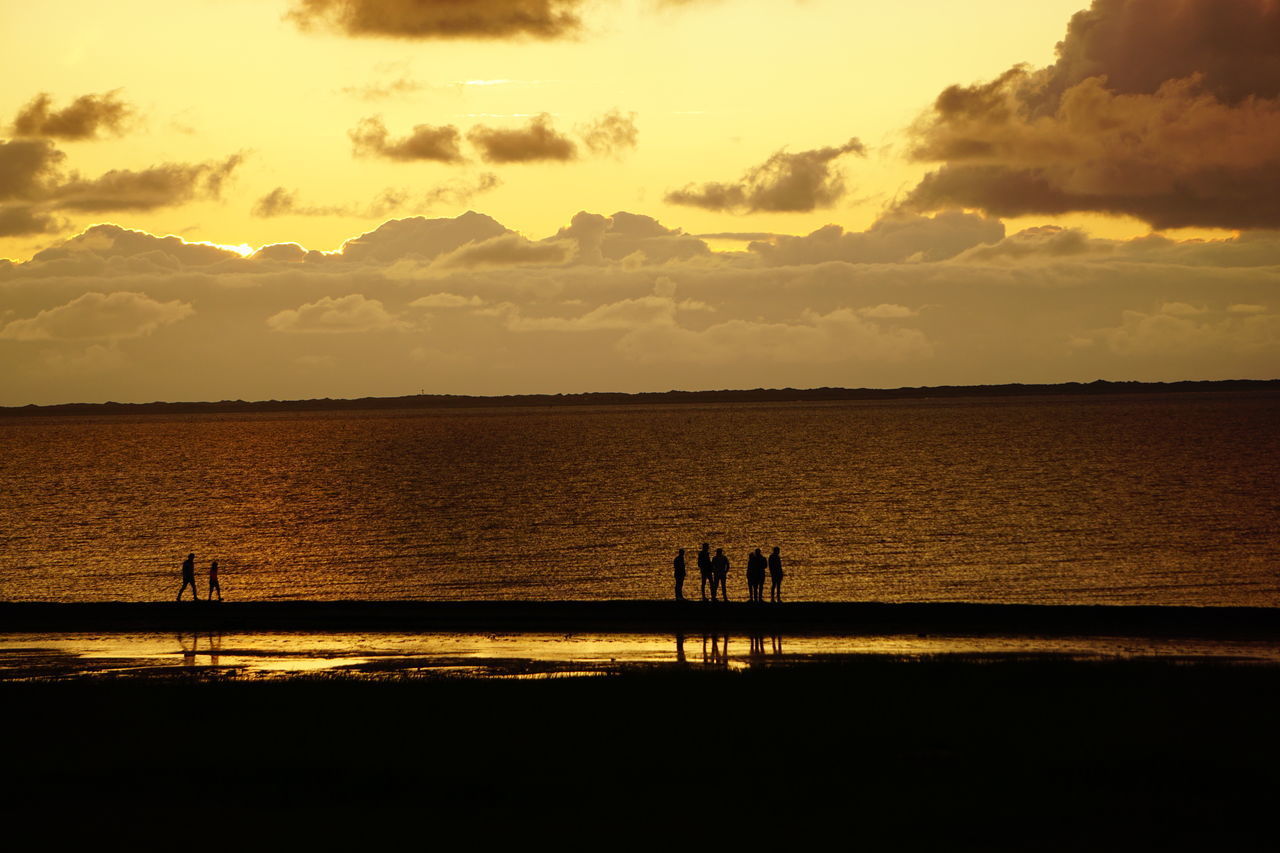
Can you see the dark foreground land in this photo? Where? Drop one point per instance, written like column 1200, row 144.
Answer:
column 873, row 753
column 1257, row 623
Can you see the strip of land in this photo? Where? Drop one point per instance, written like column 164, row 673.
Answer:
column 755, row 395
column 837, row 618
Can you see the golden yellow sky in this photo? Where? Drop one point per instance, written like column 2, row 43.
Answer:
column 667, row 194
column 716, row 88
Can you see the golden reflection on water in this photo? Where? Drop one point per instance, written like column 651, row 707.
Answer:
column 27, row 655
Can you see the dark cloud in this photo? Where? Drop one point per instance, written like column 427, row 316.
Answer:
column 441, row 19
column 160, row 186
column 30, row 171
column 1168, row 112
column 17, row 220
column 382, row 91
column 538, row 141
column 427, row 142
column 610, row 133
column 83, row 118
column 799, row 182
column 28, row 168
column 284, row 202
column 893, row 239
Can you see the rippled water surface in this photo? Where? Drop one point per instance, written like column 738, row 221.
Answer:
column 1155, row 499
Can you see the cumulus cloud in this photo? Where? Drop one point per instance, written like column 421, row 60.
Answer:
column 418, row 237
column 785, row 183
column 99, row 316
column 441, row 19
column 440, row 143
column 505, row 250
column 341, row 315
column 108, row 242
column 611, row 133
column 840, row 335
column 83, row 118
column 891, row 239
column 446, row 300
column 602, row 239
column 538, row 141
column 1181, row 329
column 1043, row 241
column 1166, row 112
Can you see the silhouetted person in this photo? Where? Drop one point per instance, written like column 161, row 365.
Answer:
column 755, row 575
column 720, row 575
column 189, row 577
column 704, row 569
column 775, row 575
column 679, row 571
column 214, row 586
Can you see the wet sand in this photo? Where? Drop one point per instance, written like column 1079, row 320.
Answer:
column 847, row 618
column 870, row 751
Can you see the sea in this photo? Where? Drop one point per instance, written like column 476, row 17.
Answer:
column 1154, row 499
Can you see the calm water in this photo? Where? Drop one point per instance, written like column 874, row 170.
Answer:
column 1157, row 499
column 274, row 654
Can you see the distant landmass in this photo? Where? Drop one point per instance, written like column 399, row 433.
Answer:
column 756, row 395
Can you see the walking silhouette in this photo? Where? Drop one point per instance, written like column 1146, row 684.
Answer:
column 188, row 577
column 679, row 571
column 214, row 586
column 704, row 569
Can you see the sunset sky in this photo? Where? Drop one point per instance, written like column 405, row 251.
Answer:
column 255, row 199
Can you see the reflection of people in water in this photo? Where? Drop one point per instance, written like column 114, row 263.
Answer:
column 214, row 586
column 189, row 652
column 680, row 647
column 704, row 569
column 757, row 645
column 755, row 576
column 189, row 577
column 775, row 575
column 679, row 570
column 718, row 654
column 720, row 570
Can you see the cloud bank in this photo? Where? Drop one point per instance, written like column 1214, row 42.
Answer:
column 625, row 302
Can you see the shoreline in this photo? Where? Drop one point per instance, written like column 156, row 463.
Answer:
column 641, row 616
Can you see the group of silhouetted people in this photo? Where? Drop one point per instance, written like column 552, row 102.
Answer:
column 715, row 569
column 189, row 579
